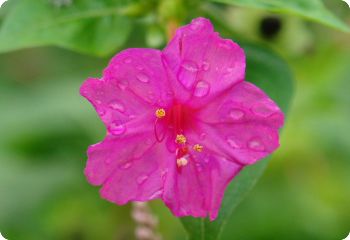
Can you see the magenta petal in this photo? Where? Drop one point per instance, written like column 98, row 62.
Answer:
column 141, row 71
column 113, row 152
column 137, row 179
column 198, row 188
column 245, row 124
column 204, row 63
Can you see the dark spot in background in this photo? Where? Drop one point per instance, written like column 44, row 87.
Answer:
column 270, row 27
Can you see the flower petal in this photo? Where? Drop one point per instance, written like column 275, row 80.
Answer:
column 141, row 71
column 204, row 63
column 242, row 124
column 113, row 152
column 130, row 169
column 198, row 188
column 137, row 179
column 115, row 107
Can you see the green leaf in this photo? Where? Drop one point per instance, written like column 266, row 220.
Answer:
column 310, row 9
column 272, row 74
column 87, row 26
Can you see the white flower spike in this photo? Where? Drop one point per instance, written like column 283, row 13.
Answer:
column 1, row 3
column 1, row 237
column 347, row 238
column 347, row 2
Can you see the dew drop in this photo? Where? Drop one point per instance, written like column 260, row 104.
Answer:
column 142, row 77
column 131, row 117
column 230, row 69
column 190, row 66
column 151, row 97
column 141, row 179
column 236, row 114
column 126, row 165
column 232, row 142
column 123, row 84
column 116, row 105
column 202, row 136
column 117, row 128
column 263, row 110
column 205, row 66
column 101, row 112
column 256, row 145
column 139, row 67
column 202, row 89
column 128, row 60
column 156, row 194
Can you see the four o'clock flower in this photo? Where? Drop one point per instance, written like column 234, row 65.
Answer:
column 181, row 123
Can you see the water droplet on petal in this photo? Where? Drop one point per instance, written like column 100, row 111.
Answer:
column 101, row 112
column 263, row 109
column 142, row 77
column 126, row 165
column 139, row 67
column 202, row 136
column 205, row 66
column 230, row 69
column 232, row 142
column 131, row 117
column 151, row 97
column 156, row 194
column 123, row 84
column 202, row 89
column 117, row 128
column 190, row 66
column 256, row 144
column 128, row 60
column 141, row 179
column 116, row 105
column 236, row 114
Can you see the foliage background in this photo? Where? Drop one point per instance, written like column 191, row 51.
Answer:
column 46, row 51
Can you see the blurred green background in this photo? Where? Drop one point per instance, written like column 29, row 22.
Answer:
column 46, row 127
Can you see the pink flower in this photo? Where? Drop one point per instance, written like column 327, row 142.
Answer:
column 181, row 122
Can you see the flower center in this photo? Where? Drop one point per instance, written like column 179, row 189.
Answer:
column 177, row 120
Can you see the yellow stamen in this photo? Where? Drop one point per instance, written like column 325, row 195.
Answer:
column 181, row 162
column 160, row 113
column 198, row 147
column 181, row 139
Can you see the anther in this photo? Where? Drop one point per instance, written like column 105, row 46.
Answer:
column 198, row 147
column 160, row 113
column 181, row 139
column 181, row 162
